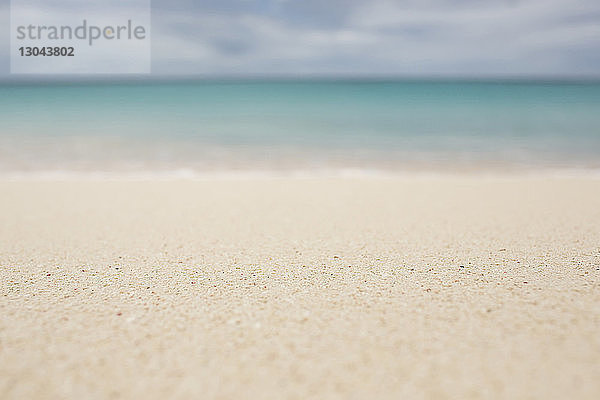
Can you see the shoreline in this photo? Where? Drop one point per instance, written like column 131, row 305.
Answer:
column 187, row 174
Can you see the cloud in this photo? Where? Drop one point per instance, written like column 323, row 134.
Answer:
column 385, row 37
column 410, row 37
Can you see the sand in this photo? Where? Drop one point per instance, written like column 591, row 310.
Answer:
column 408, row 287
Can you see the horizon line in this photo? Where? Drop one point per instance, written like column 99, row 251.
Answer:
column 32, row 79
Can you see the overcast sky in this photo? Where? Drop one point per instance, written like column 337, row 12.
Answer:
column 369, row 37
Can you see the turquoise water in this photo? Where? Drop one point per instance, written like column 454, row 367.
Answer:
column 207, row 126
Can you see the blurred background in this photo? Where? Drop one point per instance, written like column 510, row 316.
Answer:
column 310, row 86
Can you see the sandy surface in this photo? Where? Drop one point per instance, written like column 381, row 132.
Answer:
column 456, row 287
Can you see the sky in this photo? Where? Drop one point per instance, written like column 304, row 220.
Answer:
column 454, row 38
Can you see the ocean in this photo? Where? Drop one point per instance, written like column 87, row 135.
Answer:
column 297, row 126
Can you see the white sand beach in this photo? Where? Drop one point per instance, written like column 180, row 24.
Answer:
column 427, row 287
